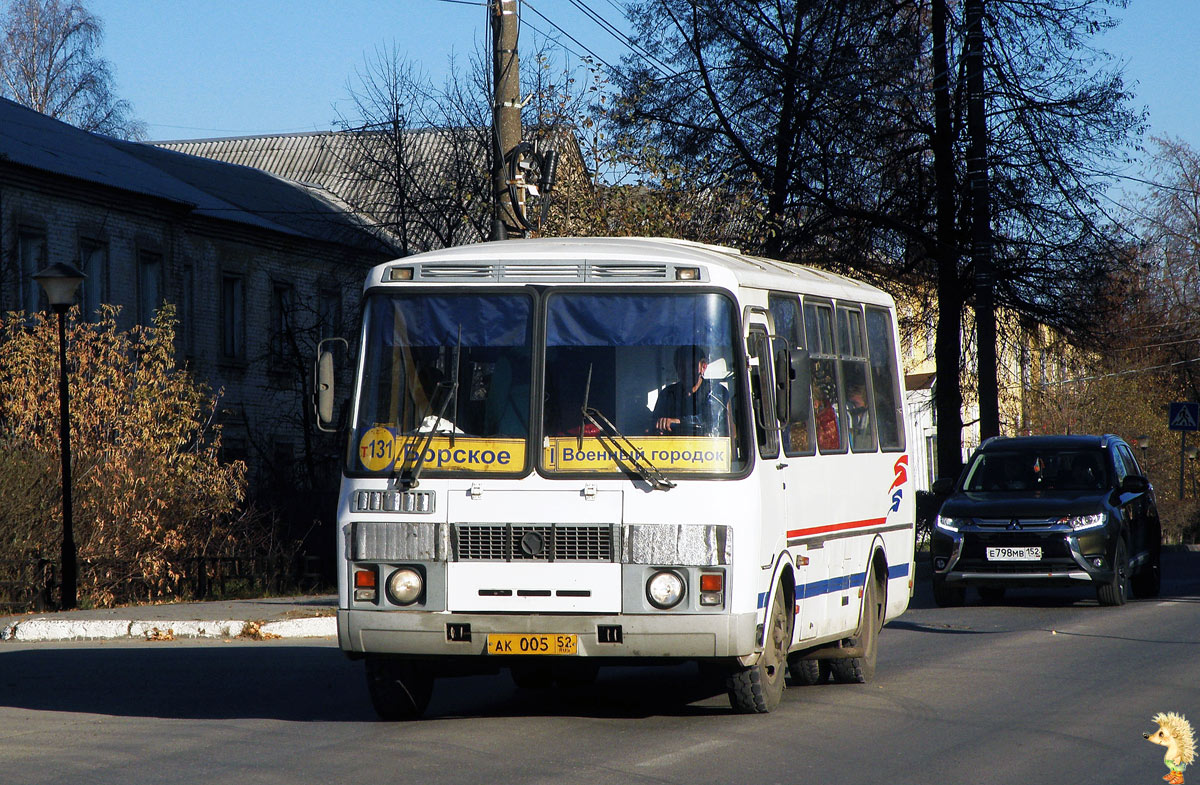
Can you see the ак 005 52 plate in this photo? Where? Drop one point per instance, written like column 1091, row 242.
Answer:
column 1031, row 553
column 531, row 643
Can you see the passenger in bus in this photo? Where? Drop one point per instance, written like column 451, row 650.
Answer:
column 860, row 417
column 506, row 408
column 692, row 406
column 825, row 403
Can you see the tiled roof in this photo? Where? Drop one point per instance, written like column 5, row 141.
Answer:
column 204, row 187
column 444, row 177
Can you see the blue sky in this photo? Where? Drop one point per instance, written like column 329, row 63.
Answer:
column 202, row 68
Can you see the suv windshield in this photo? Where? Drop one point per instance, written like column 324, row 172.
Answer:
column 1047, row 470
column 657, row 375
column 450, row 370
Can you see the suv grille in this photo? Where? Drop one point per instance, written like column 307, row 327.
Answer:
column 533, row 542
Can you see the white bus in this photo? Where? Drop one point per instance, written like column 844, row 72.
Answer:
column 567, row 453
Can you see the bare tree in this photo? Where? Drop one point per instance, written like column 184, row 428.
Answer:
column 848, row 121
column 416, row 156
column 50, row 62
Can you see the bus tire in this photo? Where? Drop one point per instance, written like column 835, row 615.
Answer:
column 806, row 673
column 399, row 689
column 759, row 688
column 860, row 670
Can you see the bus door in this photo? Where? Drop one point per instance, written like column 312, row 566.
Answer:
column 772, row 480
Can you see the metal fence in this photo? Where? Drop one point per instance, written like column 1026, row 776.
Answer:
column 31, row 584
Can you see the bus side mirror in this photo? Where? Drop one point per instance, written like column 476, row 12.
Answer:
column 324, row 378
column 793, row 378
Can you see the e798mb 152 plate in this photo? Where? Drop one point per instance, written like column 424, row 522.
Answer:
column 1030, row 553
column 532, row 643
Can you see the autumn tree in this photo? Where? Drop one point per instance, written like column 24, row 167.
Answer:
column 50, row 62
column 150, row 489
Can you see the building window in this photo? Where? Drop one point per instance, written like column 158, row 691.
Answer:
column 186, row 315
column 233, row 317
column 93, row 262
column 330, row 313
column 149, row 286
column 31, row 253
column 283, row 314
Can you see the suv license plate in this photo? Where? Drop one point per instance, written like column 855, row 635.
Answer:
column 1014, row 554
column 531, row 643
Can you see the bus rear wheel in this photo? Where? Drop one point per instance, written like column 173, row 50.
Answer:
column 759, row 688
column 860, row 670
column 399, row 689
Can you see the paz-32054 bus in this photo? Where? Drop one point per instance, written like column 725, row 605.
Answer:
column 565, row 453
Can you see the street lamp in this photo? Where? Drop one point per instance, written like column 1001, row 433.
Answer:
column 60, row 281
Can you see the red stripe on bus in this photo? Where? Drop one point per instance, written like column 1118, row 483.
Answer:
column 836, row 527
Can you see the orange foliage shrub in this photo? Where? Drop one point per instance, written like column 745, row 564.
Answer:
column 150, row 491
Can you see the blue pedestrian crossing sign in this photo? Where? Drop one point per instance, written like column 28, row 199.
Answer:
column 1184, row 416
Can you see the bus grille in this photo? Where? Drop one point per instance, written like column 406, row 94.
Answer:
column 533, row 542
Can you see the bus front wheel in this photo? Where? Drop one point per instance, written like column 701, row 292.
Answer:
column 759, row 688
column 400, row 689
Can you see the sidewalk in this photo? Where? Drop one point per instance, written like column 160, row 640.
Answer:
column 262, row 619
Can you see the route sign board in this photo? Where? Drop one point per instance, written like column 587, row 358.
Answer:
column 1184, row 416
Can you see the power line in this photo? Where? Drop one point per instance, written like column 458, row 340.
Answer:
column 623, row 39
column 578, row 43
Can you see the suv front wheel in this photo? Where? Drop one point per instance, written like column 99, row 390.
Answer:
column 1116, row 591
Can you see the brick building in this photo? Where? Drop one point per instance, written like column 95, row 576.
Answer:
column 258, row 267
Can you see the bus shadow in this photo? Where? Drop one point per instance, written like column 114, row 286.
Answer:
column 300, row 683
column 618, row 693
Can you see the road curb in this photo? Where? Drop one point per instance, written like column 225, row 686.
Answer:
column 41, row 629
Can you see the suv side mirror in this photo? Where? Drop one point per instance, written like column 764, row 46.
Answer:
column 943, row 486
column 324, row 377
column 1134, row 483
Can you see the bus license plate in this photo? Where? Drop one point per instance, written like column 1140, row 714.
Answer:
column 531, row 643
column 1014, row 554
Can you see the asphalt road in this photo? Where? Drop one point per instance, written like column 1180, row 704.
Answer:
column 1046, row 688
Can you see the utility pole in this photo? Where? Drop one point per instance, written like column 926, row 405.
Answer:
column 506, row 113
column 981, row 227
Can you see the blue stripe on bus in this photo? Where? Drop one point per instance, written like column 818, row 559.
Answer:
column 841, row 583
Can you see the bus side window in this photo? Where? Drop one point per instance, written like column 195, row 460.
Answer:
column 826, row 381
column 797, row 434
column 885, row 380
column 762, row 390
column 852, row 348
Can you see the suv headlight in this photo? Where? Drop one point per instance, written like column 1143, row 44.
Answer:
column 1082, row 522
column 949, row 524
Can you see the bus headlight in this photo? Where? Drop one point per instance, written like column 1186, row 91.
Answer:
column 404, row 586
column 664, row 589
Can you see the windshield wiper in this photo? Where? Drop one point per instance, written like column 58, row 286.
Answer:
column 449, row 391
column 618, row 443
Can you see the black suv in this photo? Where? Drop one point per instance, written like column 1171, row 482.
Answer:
column 1047, row 511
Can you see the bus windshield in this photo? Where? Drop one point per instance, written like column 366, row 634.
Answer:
column 659, row 369
column 447, row 375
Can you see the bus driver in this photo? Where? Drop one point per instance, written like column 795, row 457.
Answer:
column 692, row 406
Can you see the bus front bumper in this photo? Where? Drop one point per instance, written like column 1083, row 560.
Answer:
column 665, row 635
